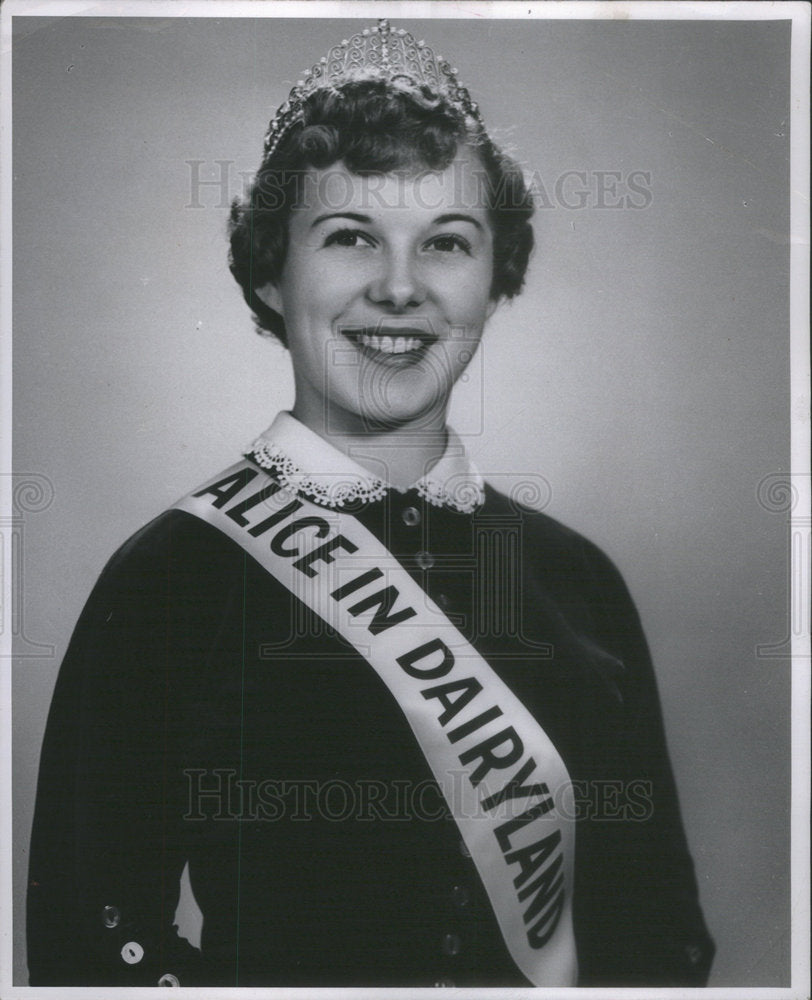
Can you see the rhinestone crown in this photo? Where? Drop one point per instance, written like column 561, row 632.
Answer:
column 377, row 53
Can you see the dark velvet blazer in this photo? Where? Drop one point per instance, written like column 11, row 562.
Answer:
column 202, row 717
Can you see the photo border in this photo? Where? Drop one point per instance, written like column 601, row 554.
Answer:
column 799, row 13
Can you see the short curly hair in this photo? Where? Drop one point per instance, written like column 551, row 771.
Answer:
column 374, row 128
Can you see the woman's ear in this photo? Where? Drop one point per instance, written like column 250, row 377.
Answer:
column 271, row 296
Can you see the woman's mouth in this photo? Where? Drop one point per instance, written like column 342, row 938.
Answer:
column 389, row 342
column 390, row 345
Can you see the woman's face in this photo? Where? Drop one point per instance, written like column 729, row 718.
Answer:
column 384, row 293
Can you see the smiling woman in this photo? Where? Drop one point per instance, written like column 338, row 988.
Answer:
column 406, row 285
column 400, row 238
column 401, row 728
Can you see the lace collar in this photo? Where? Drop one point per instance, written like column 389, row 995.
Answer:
column 294, row 452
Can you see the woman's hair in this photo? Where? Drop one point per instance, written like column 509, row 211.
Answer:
column 373, row 127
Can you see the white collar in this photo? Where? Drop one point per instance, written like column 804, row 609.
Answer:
column 307, row 463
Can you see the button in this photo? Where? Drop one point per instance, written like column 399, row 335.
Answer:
column 445, row 982
column 464, row 849
column 411, row 516
column 460, row 895
column 425, row 560
column 167, row 979
column 444, row 601
column 452, row 945
column 132, row 953
column 111, row 916
column 693, row 953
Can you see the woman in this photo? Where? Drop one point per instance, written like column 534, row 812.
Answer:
column 402, row 729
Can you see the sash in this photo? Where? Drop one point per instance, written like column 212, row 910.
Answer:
column 503, row 780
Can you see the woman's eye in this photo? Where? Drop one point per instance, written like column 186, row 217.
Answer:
column 348, row 238
column 449, row 243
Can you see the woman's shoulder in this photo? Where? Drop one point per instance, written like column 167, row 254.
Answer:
column 175, row 559
column 588, row 591
column 560, row 547
column 172, row 538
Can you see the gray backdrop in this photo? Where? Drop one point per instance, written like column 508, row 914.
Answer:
column 641, row 381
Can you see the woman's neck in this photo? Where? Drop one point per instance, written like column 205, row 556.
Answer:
column 399, row 455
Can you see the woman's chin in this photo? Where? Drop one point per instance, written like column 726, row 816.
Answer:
column 418, row 415
column 406, row 397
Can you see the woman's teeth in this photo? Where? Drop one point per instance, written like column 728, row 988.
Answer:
column 390, row 345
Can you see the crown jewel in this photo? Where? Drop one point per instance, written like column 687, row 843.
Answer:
column 377, row 53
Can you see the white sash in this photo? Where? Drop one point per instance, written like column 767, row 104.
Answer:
column 503, row 779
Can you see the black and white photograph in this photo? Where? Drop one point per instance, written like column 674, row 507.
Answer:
column 405, row 498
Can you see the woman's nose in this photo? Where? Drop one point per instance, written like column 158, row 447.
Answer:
column 398, row 285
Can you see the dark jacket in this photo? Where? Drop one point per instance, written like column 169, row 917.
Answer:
column 202, row 717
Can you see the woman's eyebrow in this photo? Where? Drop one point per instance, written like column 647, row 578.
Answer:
column 367, row 220
column 457, row 217
column 354, row 216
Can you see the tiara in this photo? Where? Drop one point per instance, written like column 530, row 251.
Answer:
column 378, row 53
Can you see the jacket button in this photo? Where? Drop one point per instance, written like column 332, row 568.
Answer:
column 111, row 916
column 411, row 516
column 425, row 560
column 460, row 895
column 693, row 953
column 451, row 944
column 167, row 979
column 132, row 953
column 445, row 982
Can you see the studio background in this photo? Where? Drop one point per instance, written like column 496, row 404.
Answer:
column 641, row 381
